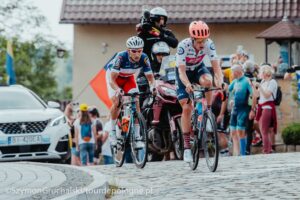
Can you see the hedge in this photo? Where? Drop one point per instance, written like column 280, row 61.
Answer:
column 291, row 134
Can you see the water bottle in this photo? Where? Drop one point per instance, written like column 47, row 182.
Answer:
column 199, row 112
column 125, row 119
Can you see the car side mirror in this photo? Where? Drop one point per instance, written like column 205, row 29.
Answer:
column 53, row 104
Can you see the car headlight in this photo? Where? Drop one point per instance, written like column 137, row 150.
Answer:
column 169, row 91
column 57, row 121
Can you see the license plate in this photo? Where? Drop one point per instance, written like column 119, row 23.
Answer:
column 30, row 139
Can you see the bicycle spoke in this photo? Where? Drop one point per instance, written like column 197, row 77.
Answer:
column 210, row 141
column 139, row 141
column 195, row 151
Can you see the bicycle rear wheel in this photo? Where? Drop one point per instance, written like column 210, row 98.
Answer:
column 139, row 140
column 210, row 141
column 178, row 143
column 195, row 151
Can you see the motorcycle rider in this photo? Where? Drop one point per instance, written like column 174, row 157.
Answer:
column 159, row 50
column 153, row 29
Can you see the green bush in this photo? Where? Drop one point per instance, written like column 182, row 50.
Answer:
column 291, row 134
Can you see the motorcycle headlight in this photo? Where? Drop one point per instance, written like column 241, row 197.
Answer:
column 57, row 121
column 169, row 91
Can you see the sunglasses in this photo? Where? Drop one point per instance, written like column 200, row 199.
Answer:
column 136, row 51
column 162, row 54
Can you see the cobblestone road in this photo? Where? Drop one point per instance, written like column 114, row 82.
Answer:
column 274, row 176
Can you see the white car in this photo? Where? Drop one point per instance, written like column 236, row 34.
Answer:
column 30, row 129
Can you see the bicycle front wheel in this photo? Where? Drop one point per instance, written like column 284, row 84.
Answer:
column 139, row 140
column 195, row 151
column 210, row 141
column 119, row 152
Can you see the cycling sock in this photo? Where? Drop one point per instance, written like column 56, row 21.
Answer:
column 187, row 139
column 243, row 144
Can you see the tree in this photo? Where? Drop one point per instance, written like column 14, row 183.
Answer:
column 34, row 48
column 21, row 19
column 34, row 66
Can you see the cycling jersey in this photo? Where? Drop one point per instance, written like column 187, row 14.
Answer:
column 186, row 54
column 126, row 68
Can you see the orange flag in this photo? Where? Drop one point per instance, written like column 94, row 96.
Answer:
column 98, row 83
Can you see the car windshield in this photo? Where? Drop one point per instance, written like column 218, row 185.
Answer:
column 19, row 100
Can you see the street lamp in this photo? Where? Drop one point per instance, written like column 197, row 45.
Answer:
column 60, row 52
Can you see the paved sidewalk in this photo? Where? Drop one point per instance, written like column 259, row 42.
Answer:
column 273, row 176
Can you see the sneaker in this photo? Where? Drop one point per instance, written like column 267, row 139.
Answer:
column 256, row 142
column 187, row 156
column 224, row 152
column 138, row 143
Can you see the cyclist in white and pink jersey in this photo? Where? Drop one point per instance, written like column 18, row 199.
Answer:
column 191, row 69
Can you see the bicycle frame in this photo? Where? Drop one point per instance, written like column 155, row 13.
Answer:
column 133, row 110
column 200, row 135
column 128, row 137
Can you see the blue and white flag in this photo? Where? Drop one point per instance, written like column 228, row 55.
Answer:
column 10, row 64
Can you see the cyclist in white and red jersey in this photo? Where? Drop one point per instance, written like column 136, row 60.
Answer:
column 191, row 69
column 120, row 76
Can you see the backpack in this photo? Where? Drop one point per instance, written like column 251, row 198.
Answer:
column 278, row 98
column 86, row 132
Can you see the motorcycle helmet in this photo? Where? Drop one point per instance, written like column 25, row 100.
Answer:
column 158, row 12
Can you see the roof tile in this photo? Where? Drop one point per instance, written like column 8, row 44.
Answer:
column 180, row 11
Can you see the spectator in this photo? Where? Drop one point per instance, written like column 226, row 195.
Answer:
column 106, row 148
column 95, row 117
column 219, row 108
column 75, row 159
column 266, row 113
column 241, row 89
column 234, row 59
column 85, row 134
column 249, row 69
column 290, row 73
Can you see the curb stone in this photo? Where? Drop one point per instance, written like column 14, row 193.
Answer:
column 96, row 190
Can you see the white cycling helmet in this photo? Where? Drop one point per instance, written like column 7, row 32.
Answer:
column 161, row 47
column 135, row 42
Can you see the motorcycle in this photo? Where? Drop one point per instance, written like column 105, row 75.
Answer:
column 163, row 117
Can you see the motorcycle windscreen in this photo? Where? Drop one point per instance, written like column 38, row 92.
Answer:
column 168, row 66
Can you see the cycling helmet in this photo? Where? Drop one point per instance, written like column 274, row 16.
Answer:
column 161, row 47
column 199, row 29
column 135, row 42
column 158, row 12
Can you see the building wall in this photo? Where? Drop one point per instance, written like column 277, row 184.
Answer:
column 89, row 58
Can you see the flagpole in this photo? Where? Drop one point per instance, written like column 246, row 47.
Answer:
column 80, row 93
